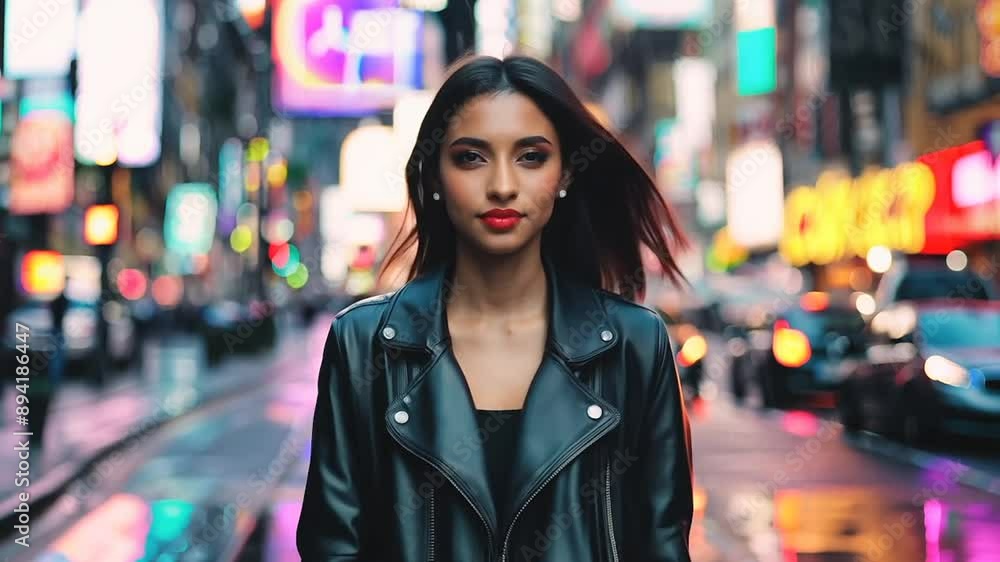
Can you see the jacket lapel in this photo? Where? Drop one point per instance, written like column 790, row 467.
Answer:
column 557, row 426
column 443, row 429
column 435, row 416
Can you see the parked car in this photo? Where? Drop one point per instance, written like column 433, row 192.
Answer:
column 926, row 278
column 800, row 353
column 932, row 367
column 80, row 332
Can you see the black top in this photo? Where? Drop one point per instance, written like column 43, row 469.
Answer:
column 499, row 432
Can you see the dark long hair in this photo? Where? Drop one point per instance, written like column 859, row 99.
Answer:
column 612, row 207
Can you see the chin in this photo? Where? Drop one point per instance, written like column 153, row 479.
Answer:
column 498, row 244
column 497, row 247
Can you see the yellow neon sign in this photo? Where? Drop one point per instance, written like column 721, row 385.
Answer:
column 841, row 217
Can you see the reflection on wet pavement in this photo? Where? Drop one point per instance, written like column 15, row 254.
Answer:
column 863, row 524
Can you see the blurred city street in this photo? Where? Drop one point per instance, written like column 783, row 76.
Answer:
column 191, row 189
column 224, row 482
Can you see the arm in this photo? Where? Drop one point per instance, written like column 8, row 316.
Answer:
column 665, row 465
column 330, row 525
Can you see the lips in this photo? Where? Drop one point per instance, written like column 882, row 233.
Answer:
column 501, row 219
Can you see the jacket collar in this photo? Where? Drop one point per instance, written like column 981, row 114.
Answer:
column 579, row 327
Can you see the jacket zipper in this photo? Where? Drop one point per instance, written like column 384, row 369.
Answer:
column 611, row 521
column 482, row 518
column 510, row 529
column 430, row 545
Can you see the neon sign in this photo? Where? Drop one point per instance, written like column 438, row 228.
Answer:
column 842, row 217
column 344, row 57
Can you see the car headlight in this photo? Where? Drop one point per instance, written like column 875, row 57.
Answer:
column 947, row 372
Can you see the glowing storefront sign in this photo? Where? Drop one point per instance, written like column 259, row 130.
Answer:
column 976, row 181
column 841, row 217
column 967, row 205
column 754, row 191
column 118, row 110
column 41, row 172
column 39, row 37
column 344, row 57
column 661, row 14
column 189, row 223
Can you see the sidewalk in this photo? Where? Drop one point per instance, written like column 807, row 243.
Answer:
column 87, row 423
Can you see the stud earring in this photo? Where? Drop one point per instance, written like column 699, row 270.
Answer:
column 436, row 196
column 562, row 193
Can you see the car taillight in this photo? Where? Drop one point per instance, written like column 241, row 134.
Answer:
column 791, row 347
column 693, row 350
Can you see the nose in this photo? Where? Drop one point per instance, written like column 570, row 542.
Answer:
column 503, row 184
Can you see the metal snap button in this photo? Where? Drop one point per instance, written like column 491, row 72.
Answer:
column 407, row 399
column 389, row 332
column 595, row 412
column 606, row 335
column 401, row 417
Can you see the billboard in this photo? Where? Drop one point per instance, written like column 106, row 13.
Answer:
column 657, row 14
column 41, row 171
column 755, row 194
column 39, row 37
column 120, row 76
column 189, row 221
column 344, row 57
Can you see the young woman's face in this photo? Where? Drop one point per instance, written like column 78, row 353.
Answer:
column 501, row 170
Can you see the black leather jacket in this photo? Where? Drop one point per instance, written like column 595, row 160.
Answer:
column 603, row 467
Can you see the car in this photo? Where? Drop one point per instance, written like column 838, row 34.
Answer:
column 799, row 354
column 932, row 368
column 80, row 332
column 691, row 348
column 926, row 278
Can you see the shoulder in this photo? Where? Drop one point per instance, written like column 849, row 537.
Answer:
column 637, row 323
column 360, row 319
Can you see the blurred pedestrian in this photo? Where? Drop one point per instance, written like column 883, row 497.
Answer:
column 511, row 401
column 48, row 372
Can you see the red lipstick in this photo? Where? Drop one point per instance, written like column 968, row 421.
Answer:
column 501, row 219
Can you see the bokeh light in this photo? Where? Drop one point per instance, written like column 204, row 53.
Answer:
column 298, row 278
column 879, row 259
column 957, row 260
column 43, row 272
column 865, row 304
column 131, row 284
column 287, row 260
column 240, row 239
column 167, row 290
column 100, row 225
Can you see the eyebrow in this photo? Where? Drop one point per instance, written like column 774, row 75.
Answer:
column 480, row 143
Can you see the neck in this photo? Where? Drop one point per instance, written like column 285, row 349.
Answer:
column 511, row 286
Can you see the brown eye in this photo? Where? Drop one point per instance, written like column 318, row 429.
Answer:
column 466, row 158
column 535, row 157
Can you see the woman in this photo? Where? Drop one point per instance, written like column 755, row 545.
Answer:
column 510, row 402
